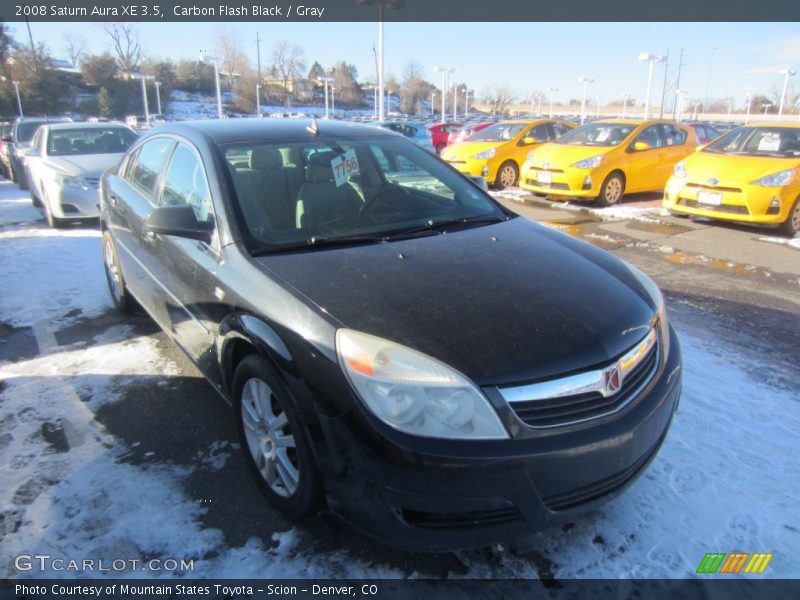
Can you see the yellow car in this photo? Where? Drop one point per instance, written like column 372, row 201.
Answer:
column 497, row 152
column 751, row 174
column 605, row 159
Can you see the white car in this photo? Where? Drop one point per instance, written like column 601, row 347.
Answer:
column 64, row 165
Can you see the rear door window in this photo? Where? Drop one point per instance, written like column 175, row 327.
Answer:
column 185, row 183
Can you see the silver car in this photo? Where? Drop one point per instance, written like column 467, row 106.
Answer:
column 64, row 165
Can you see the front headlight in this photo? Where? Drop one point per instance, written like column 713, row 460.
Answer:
column 589, row 163
column 528, row 160
column 414, row 393
column 779, row 179
column 486, row 154
column 73, row 182
column 679, row 170
column 658, row 299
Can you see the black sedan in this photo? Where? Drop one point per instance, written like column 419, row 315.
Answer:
column 439, row 371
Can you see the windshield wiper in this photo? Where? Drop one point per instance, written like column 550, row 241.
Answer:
column 315, row 242
column 440, row 226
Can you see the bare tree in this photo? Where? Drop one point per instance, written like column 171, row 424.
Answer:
column 288, row 63
column 791, row 100
column 414, row 87
column 125, row 37
column 498, row 97
column 75, row 45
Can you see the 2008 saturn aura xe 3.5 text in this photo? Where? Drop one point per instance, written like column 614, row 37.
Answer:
column 439, row 371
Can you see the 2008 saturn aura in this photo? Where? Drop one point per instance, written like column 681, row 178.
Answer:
column 440, row 371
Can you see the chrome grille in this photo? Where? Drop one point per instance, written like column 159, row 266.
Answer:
column 552, row 186
column 587, row 395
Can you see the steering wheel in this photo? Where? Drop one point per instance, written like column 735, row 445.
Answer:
column 383, row 192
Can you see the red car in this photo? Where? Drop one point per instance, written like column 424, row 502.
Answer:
column 440, row 133
column 466, row 130
column 705, row 133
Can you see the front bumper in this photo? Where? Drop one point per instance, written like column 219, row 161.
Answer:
column 485, row 168
column 72, row 203
column 748, row 203
column 436, row 495
column 569, row 181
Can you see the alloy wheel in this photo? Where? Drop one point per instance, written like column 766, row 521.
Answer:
column 270, row 438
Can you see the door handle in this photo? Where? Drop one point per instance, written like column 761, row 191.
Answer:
column 148, row 235
column 112, row 199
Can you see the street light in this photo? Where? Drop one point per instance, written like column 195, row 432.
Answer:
column 749, row 98
column 19, row 99
column 433, row 94
column 585, row 81
column 444, row 71
column 652, row 59
column 550, row 92
column 729, row 111
column 533, row 97
column 389, row 100
column 597, row 107
column 786, row 74
column 625, row 98
column 766, row 106
column 680, row 95
column 325, row 81
column 466, row 101
column 144, row 78
column 215, row 60
column 397, row 4
column 258, row 100
column 695, row 114
column 333, row 100
column 158, row 95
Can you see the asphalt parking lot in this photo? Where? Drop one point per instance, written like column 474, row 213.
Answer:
column 103, row 417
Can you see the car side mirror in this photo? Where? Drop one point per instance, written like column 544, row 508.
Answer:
column 529, row 140
column 179, row 221
column 639, row 146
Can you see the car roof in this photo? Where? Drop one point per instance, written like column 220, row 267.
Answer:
column 87, row 125
column 225, row 131
column 773, row 124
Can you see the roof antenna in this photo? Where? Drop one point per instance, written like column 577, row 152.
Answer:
column 313, row 129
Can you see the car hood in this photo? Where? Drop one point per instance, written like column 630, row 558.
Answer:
column 505, row 303
column 90, row 165
column 563, row 155
column 466, row 150
column 702, row 166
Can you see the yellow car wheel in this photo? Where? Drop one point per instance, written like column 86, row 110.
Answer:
column 507, row 175
column 791, row 226
column 612, row 189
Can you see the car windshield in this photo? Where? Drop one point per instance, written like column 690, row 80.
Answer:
column 26, row 129
column 95, row 140
column 318, row 192
column 598, row 134
column 776, row 142
column 499, row 132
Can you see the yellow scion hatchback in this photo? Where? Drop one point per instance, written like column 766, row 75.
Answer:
column 751, row 174
column 497, row 152
column 605, row 159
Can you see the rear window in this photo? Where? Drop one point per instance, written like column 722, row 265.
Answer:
column 111, row 140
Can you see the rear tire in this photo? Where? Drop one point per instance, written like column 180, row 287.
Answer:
column 507, row 175
column 791, row 226
column 612, row 190
column 120, row 296
column 275, row 440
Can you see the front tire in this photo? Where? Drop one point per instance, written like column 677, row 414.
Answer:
column 120, row 296
column 791, row 226
column 52, row 221
column 275, row 440
column 507, row 175
column 612, row 190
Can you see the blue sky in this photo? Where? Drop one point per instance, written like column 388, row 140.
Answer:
column 526, row 56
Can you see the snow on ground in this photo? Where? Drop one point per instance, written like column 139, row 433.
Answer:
column 726, row 479
column 791, row 242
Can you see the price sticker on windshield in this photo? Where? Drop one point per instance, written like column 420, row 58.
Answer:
column 344, row 166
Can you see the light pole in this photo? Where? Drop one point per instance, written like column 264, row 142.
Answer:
column 333, row 100
column 749, row 98
column 433, row 94
column 389, row 100
column 455, row 101
column 19, row 99
column 766, row 108
column 625, row 99
column 258, row 100
column 695, row 114
column 444, row 71
column 680, row 94
column 652, row 59
column 325, row 81
column 597, row 107
column 729, row 111
column 466, row 101
column 533, row 97
column 550, row 92
column 158, row 95
column 786, row 74
column 144, row 78
column 585, row 81
column 215, row 60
